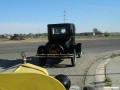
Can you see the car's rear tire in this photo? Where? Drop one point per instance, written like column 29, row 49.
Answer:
column 88, row 88
column 73, row 59
column 41, row 50
column 79, row 54
column 42, row 61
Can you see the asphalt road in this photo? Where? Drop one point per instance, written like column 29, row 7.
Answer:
column 88, row 46
column 93, row 50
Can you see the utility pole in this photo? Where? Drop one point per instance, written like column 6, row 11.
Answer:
column 64, row 16
column 38, row 30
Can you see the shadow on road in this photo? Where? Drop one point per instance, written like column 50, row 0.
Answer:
column 5, row 63
column 57, row 66
column 55, row 63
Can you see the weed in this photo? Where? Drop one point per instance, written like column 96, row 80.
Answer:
column 114, row 55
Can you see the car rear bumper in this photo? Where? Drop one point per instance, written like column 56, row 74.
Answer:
column 55, row 55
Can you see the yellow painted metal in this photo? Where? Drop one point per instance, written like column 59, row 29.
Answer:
column 30, row 68
column 29, row 77
column 28, row 81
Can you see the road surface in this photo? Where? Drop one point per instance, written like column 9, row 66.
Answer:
column 93, row 50
column 88, row 46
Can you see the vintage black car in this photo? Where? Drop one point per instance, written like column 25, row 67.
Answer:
column 61, row 44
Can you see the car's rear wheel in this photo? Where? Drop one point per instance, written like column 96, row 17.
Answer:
column 42, row 61
column 41, row 50
column 73, row 59
column 79, row 55
column 88, row 88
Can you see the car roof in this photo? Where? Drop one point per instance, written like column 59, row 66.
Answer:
column 61, row 24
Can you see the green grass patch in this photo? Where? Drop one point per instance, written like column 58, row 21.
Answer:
column 114, row 55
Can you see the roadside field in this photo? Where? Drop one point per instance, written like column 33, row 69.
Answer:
column 42, row 39
column 26, row 40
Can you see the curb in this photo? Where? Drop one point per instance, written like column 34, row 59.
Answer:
column 101, row 71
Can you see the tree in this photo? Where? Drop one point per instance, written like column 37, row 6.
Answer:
column 95, row 30
column 106, row 34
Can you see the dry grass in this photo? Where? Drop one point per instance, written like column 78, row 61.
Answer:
column 26, row 40
column 45, row 39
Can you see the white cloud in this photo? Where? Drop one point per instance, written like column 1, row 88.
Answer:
column 11, row 28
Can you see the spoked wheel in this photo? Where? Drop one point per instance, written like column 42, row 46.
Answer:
column 73, row 59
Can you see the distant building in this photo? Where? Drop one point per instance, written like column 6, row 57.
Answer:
column 90, row 34
column 5, row 36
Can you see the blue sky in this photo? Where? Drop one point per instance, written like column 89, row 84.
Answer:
column 32, row 16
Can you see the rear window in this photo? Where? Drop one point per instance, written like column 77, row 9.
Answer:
column 59, row 30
